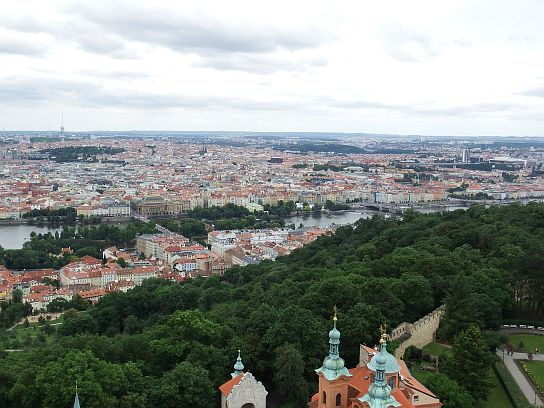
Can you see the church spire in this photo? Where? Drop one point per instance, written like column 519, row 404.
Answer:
column 334, row 338
column 76, row 400
column 333, row 365
column 379, row 392
column 238, row 366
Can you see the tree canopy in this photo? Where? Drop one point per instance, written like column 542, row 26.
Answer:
column 484, row 263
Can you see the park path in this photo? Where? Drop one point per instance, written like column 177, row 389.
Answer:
column 524, row 384
column 524, row 356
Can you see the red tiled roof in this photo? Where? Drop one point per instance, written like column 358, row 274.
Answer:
column 227, row 387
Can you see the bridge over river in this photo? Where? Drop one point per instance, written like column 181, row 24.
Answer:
column 159, row 228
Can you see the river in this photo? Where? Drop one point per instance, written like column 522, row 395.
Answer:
column 14, row 236
column 326, row 219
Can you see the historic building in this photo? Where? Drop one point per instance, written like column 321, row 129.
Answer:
column 379, row 381
column 154, row 204
column 242, row 390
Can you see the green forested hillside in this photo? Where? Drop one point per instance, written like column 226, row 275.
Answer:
column 170, row 345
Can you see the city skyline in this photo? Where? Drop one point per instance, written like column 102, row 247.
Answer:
column 457, row 68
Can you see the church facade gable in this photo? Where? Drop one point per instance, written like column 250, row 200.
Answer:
column 249, row 393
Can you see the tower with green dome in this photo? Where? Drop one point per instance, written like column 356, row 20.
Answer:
column 238, row 366
column 379, row 392
column 333, row 375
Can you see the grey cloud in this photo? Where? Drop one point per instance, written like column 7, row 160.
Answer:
column 107, row 45
column 408, row 45
column 428, row 109
column 196, row 33
column 260, row 63
column 35, row 92
column 116, row 75
column 537, row 92
column 88, row 36
column 109, row 31
column 19, row 46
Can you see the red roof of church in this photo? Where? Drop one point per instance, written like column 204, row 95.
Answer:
column 359, row 382
column 230, row 384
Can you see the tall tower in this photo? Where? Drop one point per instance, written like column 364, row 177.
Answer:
column 379, row 392
column 62, row 126
column 333, row 375
column 466, row 155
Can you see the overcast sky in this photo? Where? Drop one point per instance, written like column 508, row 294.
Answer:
column 471, row 67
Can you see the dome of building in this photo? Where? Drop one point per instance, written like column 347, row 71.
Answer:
column 334, row 334
column 238, row 366
column 333, row 364
column 153, row 199
column 379, row 391
column 384, row 359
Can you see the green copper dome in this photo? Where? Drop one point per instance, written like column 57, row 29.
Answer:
column 334, row 365
column 383, row 357
column 238, row 366
column 379, row 392
column 334, row 334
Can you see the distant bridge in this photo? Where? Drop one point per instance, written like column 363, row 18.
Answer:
column 159, row 228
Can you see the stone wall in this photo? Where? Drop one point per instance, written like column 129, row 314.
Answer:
column 419, row 333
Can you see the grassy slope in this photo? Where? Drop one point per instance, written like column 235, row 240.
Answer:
column 436, row 349
column 530, row 342
column 497, row 397
column 537, row 368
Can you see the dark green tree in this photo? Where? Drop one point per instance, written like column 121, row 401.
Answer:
column 451, row 394
column 470, row 363
column 289, row 373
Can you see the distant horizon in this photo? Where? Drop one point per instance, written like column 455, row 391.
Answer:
column 257, row 132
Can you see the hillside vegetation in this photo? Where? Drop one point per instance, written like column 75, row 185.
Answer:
column 171, row 345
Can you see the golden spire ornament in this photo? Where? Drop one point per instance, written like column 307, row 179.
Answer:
column 383, row 332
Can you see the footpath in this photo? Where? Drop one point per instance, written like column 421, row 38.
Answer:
column 526, row 387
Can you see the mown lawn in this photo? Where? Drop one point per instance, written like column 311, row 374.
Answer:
column 537, row 368
column 530, row 342
column 421, row 375
column 497, row 397
column 21, row 336
column 436, row 349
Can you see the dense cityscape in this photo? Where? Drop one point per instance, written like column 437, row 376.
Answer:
column 172, row 175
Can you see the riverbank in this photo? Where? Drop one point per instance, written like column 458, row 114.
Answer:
column 30, row 221
column 13, row 235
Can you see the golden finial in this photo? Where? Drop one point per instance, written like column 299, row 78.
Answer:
column 335, row 309
column 383, row 331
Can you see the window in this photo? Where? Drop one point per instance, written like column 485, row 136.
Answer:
column 338, row 400
column 391, row 382
column 248, row 405
column 416, row 398
column 324, row 397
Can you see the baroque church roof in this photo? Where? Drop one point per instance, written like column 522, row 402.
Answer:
column 334, row 365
